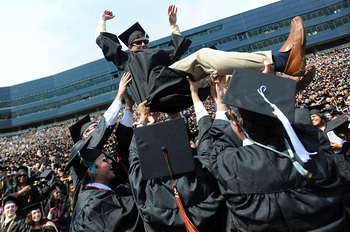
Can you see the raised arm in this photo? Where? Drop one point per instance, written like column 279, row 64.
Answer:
column 101, row 25
column 172, row 15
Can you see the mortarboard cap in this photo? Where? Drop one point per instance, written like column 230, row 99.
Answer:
column 77, row 130
column 87, row 154
column 10, row 199
column 242, row 93
column 172, row 138
column 337, row 122
column 74, row 159
column 135, row 29
column 316, row 109
column 47, row 174
column 26, row 210
column 22, row 169
column 302, row 116
column 56, row 184
column 255, row 93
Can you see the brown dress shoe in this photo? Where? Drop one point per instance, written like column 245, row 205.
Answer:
column 295, row 43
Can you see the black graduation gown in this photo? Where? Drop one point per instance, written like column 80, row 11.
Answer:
column 165, row 89
column 30, row 197
column 99, row 138
column 5, row 184
column 61, row 216
column 264, row 192
column 18, row 225
column 105, row 210
column 156, row 202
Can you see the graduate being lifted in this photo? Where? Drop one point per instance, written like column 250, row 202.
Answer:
column 159, row 76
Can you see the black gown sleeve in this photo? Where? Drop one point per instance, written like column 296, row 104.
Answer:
column 106, row 211
column 112, row 49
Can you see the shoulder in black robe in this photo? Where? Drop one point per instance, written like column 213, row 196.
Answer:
column 265, row 192
column 156, row 202
column 105, row 210
column 18, row 225
column 30, row 197
column 165, row 89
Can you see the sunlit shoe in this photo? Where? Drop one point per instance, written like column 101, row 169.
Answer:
column 295, row 43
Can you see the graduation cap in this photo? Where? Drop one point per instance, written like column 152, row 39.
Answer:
column 132, row 31
column 77, row 130
column 316, row 109
column 22, row 169
column 87, row 158
column 302, row 116
column 260, row 97
column 47, row 174
column 55, row 186
column 246, row 91
column 341, row 120
column 158, row 142
column 10, row 199
column 26, row 210
column 164, row 150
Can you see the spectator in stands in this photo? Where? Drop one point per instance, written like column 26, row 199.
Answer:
column 23, row 189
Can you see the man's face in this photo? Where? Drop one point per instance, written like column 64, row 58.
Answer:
column 10, row 209
column 104, row 168
column 328, row 116
column 140, row 43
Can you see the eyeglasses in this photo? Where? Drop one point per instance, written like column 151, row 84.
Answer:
column 22, row 176
column 139, row 42
column 104, row 159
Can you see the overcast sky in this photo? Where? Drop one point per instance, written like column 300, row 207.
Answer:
column 41, row 38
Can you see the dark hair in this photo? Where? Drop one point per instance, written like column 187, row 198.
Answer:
column 30, row 223
column 137, row 36
column 259, row 131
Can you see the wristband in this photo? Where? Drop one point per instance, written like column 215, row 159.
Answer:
column 128, row 108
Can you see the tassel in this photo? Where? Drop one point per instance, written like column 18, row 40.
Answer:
column 188, row 224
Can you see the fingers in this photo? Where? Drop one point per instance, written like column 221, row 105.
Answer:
column 126, row 78
column 143, row 103
column 267, row 68
column 228, row 81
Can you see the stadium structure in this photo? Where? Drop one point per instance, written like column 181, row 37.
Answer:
column 92, row 87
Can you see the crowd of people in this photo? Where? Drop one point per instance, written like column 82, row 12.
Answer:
column 81, row 176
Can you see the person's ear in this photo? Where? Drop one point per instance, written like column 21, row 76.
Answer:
column 130, row 48
column 89, row 171
column 235, row 126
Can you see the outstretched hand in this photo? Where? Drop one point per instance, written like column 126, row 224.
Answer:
column 221, row 86
column 126, row 78
column 172, row 11
column 194, row 89
column 107, row 15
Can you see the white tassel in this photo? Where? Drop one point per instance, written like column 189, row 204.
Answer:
column 299, row 148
